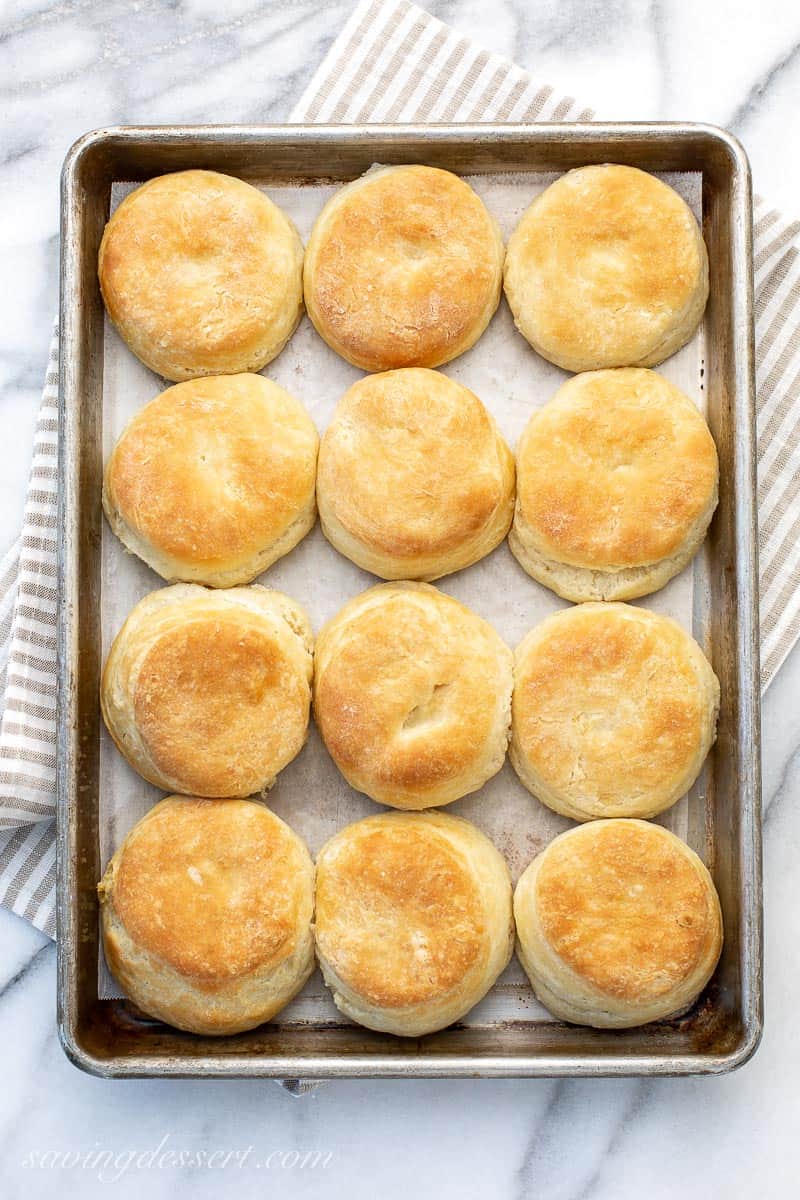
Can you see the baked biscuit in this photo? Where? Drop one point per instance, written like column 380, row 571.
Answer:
column 617, row 482
column 202, row 275
column 618, row 924
column 614, row 712
column 206, row 913
column 413, row 920
column 415, row 479
column 208, row 693
column 412, row 695
column 607, row 268
column 403, row 269
column 213, row 480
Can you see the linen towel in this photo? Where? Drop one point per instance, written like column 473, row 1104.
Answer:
column 392, row 62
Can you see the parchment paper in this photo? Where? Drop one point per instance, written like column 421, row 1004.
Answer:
column 310, row 794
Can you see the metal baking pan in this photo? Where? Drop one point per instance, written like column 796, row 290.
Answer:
column 110, row 1038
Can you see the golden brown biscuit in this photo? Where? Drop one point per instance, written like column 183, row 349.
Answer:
column 213, row 480
column 206, row 912
column 413, row 922
column 403, row 269
column 617, row 482
column 208, row 693
column 202, row 275
column 412, row 695
column 614, row 712
column 607, row 268
column 618, row 924
column 415, row 479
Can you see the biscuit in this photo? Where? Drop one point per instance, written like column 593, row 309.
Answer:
column 617, row 482
column 412, row 695
column 614, row 712
column 206, row 914
column 607, row 268
column 202, row 275
column 403, row 269
column 618, row 924
column 415, row 479
column 208, row 693
column 214, row 479
column 413, row 922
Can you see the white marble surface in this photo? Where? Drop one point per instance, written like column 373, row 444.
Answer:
column 70, row 66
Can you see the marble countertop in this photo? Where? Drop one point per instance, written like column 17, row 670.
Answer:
column 71, row 66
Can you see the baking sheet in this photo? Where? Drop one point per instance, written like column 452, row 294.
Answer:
column 310, row 794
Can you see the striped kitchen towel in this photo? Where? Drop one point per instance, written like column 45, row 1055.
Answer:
column 392, row 62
